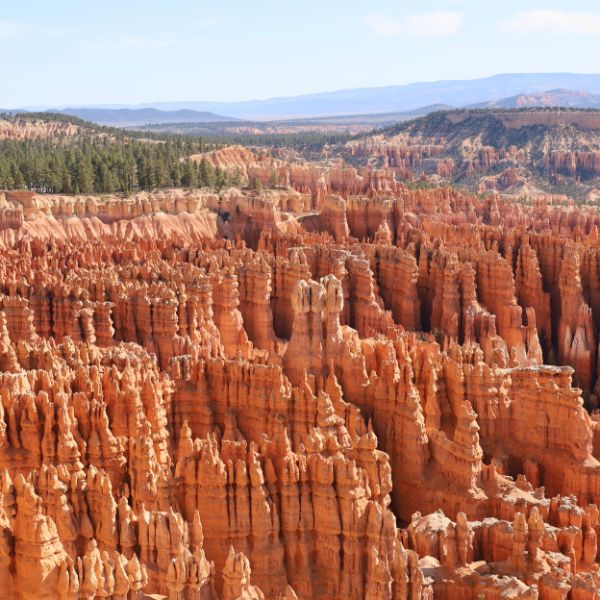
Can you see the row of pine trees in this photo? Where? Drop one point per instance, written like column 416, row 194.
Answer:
column 112, row 160
column 112, row 165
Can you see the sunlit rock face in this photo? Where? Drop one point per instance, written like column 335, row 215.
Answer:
column 340, row 390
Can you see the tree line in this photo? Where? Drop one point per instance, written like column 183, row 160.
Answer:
column 102, row 159
column 106, row 165
column 226, row 134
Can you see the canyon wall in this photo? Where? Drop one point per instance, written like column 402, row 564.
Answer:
column 342, row 390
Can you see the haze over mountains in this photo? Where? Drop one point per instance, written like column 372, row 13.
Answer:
column 500, row 91
column 560, row 97
column 126, row 117
column 300, row 300
column 395, row 98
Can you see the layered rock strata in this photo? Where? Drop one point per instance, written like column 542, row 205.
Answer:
column 383, row 399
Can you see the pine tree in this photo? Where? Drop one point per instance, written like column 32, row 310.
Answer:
column 85, row 177
column 207, row 173
column 236, row 178
column 113, row 163
column 221, row 178
column 189, row 177
column 17, row 178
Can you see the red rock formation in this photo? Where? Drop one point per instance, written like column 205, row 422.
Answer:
column 26, row 129
column 200, row 418
column 576, row 336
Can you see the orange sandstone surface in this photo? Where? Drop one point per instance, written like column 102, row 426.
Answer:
column 26, row 129
column 339, row 389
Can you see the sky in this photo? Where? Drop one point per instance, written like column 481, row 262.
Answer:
column 74, row 52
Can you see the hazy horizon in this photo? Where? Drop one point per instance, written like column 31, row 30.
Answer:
column 133, row 53
column 150, row 103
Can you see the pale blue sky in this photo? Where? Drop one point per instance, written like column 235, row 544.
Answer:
column 67, row 52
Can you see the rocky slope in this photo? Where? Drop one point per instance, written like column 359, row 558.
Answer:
column 551, row 98
column 35, row 129
column 522, row 152
column 339, row 389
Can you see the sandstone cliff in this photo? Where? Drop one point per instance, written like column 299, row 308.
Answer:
column 385, row 398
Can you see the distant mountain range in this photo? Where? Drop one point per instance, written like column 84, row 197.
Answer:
column 560, row 97
column 377, row 118
column 400, row 98
column 504, row 90
column 127, row 117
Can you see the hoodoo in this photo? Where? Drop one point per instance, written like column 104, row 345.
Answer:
column 393, row 405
